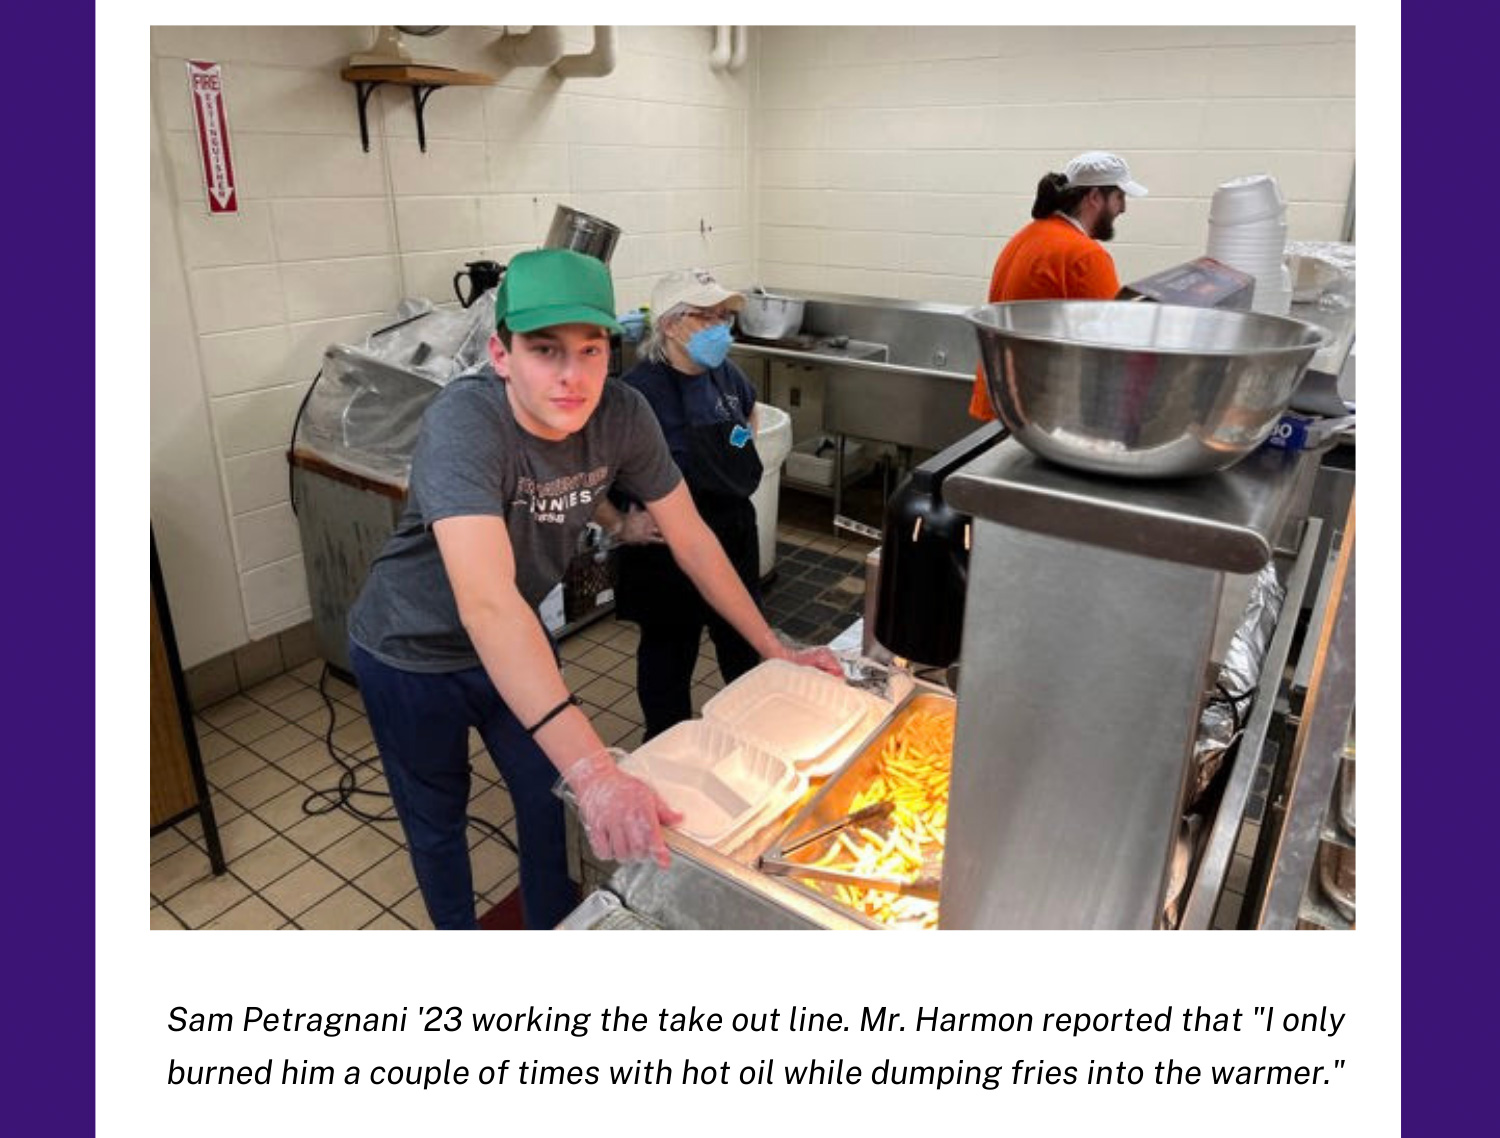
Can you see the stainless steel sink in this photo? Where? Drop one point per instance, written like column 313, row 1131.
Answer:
column 843, row 348
column 895, row 371
column 916, row 334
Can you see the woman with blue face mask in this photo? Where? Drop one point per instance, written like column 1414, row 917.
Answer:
column 706, row 408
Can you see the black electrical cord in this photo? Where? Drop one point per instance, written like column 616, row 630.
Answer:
column 1234, row 701
column 291, row 483
column 341, row 795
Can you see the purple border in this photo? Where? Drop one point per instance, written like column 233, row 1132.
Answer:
column 53, row 554
column 1448, row 751
column 48, row 578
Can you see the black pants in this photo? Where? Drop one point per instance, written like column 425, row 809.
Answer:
column 655, row 594
column 421, row 722
column 665, row 661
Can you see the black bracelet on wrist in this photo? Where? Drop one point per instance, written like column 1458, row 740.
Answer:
column 571, row 701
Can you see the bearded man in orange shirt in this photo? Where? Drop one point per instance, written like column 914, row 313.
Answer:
column 1059, row 256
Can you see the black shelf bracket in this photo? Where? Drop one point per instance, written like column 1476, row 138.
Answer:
column 363, row 89
column 419, row 97
column 420, row 93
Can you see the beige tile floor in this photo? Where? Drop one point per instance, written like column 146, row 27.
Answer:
column 267, row 760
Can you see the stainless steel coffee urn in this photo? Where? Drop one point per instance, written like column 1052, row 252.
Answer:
column 574, row 229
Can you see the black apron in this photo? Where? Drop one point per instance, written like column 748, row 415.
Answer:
column 723, row 470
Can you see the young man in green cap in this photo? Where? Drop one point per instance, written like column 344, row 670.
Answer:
column 508, row 469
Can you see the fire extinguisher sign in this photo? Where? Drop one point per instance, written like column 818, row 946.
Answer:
column 206, row 85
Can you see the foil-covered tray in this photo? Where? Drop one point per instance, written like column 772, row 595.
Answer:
column 603, row 912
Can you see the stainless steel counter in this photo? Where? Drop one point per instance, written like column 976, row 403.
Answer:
column 703, row 888
column 869, row 398
column 835, row 349
column 1088, row 631
column 1228, row 521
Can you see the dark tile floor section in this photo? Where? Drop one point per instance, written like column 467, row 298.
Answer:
column 814, row 596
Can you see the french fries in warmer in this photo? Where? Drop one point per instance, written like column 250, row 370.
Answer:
column 912, row 771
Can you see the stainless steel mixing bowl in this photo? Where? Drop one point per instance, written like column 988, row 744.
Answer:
column 1139, row 389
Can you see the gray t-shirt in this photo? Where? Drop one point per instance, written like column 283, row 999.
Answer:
column 473, row 458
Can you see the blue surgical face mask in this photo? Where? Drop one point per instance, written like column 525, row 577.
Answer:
column 710, row 346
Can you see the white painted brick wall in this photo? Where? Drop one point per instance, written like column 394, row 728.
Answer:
column 935, row 138
column 257, row 420
column 244, row 238
column 439, row 222
column 275, row 596
column 228, row 298
column 256, row 480
column 323, row 228
column 309, row 166
column 266, row 535
column 317, row 290
column 237, row 362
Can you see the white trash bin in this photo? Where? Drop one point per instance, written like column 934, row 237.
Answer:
column 773, row 440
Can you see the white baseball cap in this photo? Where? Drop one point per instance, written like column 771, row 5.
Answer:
column 1099, row 168
column 694, row 287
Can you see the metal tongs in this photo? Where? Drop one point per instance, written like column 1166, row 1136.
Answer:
column 926, row 886
column 871, row 813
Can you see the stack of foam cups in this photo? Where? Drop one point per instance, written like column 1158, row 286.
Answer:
column 1247, row 231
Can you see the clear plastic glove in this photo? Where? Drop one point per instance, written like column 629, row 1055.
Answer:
column 808, row 656
column 622, row 816
column 638, row 527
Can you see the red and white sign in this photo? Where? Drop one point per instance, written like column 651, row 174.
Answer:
column 206, row 85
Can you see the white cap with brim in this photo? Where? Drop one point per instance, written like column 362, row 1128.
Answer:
column 695, row 288
column 1099, row 168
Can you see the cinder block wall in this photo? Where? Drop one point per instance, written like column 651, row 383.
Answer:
column 897, row 161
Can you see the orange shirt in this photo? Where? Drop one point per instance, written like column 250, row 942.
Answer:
column 1051, row 259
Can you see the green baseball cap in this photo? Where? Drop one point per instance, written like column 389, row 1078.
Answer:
column 546, row 287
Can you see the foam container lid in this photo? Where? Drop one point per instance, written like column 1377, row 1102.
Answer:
column 874, row 710
column 794, row 712
column 719, row 781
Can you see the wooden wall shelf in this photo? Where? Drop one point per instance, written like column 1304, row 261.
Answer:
column 423, row 81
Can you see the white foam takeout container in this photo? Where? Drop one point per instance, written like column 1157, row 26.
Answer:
column 794, row 712
column 722, row 783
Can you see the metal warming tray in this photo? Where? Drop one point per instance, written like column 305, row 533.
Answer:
column 833, row 802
